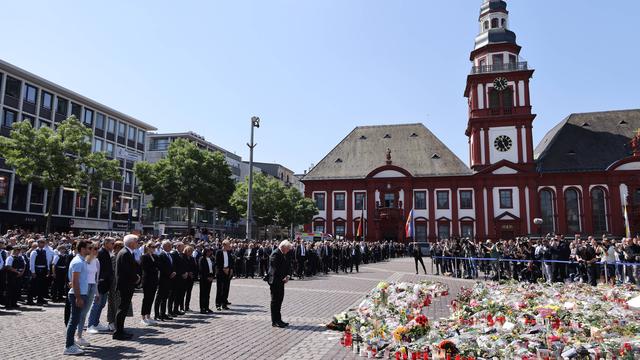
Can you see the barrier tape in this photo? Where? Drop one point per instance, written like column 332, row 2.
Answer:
column 534, row 260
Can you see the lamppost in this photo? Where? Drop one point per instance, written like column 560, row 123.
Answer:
column 255, row 123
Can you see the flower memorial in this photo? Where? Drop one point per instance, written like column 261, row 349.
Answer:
column 392, row 317
column 497, row 321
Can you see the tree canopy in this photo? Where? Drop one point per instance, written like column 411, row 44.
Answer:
column 52, row 159
column 273, row 203
column 187, row 176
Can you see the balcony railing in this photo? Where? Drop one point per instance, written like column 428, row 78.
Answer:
column 518, row 110
column 484, row 69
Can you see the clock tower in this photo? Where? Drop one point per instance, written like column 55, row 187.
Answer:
column 500, row 118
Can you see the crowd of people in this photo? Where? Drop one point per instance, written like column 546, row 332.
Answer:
column 90, row 272
column 550, row 258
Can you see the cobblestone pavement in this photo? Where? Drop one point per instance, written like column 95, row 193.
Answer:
column 243, row 332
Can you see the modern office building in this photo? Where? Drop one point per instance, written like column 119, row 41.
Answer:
column 280, row 172
column 174, row 220
column 28, row 97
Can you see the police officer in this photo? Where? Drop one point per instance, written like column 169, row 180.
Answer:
column 59, row 271
column 40, row 265
column 14, row 268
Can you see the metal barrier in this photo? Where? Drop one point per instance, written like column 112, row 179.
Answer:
column 472, row 266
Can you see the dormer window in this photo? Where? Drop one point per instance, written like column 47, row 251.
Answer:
column 585, row 124
column 414, row 135
column 435, row 156
column 363, row 137
column 387, row 136
column 338, row 161
column 623, row 123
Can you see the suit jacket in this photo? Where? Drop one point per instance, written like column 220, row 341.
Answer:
column 299, row 256
column 190, row 265
column 220, row 260
column 105, row 278
column 204, row 269
column 165, row 267
column 179, row 265
column 278, row 268
column 126, row 271
column 150, row 268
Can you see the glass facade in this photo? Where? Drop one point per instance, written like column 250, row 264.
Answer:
column 42, row 105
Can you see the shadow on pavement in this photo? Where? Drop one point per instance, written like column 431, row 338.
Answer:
column 313, row 328
column 114, row 352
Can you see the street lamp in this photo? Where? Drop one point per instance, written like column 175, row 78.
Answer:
column 255, row 123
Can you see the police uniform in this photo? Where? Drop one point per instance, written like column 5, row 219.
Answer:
column 40, row 265
column 15, row 262
column 60, row 266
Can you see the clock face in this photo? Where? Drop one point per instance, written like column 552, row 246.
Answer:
column 500, row 84
column 503, row 143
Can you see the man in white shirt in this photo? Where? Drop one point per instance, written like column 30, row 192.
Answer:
column 224, row 272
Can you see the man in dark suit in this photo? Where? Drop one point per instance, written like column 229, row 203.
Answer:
column 278, row 276
column 417, row 257
column 178, row 283
column 165, row 265
column 126, row 280
column 206, row 270
column 325, row 256
column 250, row 261
column 356, row 256
column 224, row 272
column 301, row 258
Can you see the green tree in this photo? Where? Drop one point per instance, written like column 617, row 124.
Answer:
column 52, row 159
column 297, row 209
column 273, row 203
column 268, row 198
column 187, row 176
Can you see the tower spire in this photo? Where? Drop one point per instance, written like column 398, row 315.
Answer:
column 494, row 24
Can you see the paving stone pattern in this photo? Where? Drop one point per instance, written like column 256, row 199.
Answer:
column 243, row 332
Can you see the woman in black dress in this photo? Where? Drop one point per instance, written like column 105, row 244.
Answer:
column 149, row 282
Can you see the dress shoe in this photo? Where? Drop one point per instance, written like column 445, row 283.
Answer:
column 203, row 311
column 219, row 308
column 209, row 311
column 158, row 318
column 284, row 324
column 278, row 324
column 166, row 317
column 180, row 313
column 228, row 303
column 225, row 307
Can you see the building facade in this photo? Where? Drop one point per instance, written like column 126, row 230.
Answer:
column 28, row 97
column 580, row 178
column 174, row 220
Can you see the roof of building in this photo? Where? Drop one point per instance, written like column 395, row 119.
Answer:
column 588, row 141
column 190, row 135
column 413, row 148
column 72, row 95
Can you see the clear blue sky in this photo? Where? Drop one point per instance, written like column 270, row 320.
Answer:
column 313, row 70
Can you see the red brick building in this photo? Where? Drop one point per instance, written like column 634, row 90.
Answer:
column 578, row 179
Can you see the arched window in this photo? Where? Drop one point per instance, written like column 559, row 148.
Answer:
column 485, row 25
column 546, row 212
column 598, row 211
column 572, row 209
column 495, row 23
column 504, row 23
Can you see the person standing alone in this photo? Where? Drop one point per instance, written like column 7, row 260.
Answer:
column 278, row 276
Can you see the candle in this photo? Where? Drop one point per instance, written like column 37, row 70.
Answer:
column 397, row 355
column 425, row 355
